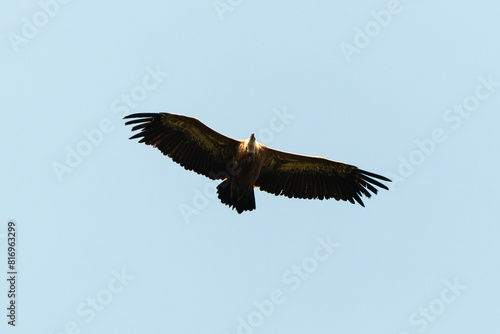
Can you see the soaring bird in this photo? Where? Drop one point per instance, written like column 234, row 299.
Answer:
column 246, row 164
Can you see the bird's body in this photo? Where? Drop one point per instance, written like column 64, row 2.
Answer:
column 246, row 164
column 237, row 190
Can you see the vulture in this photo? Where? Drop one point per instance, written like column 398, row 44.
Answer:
column 246, row 164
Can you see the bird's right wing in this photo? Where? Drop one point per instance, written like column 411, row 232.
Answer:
column 301, row 176
column 187, row 141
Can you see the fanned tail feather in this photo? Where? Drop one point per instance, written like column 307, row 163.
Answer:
column 239, row 201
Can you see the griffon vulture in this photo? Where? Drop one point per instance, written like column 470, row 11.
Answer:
column 245, row 164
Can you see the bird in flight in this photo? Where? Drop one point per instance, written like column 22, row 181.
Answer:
column 246, row 164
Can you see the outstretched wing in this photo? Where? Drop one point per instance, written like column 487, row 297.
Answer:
column 300, row 176
column 187, row 141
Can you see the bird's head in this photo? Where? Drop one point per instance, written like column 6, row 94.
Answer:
column 251, row 144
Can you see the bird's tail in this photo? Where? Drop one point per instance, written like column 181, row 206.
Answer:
column 241, row 201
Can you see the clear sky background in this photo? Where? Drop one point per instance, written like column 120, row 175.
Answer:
column 113, row 237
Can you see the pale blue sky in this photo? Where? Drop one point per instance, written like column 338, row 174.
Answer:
column 408, row 89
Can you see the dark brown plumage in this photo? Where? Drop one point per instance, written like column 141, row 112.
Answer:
column 245, row 164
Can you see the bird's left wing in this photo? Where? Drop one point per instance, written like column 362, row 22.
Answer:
column 187, row 141
column 301, row 176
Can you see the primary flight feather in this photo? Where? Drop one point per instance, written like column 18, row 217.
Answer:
column 246, row 164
